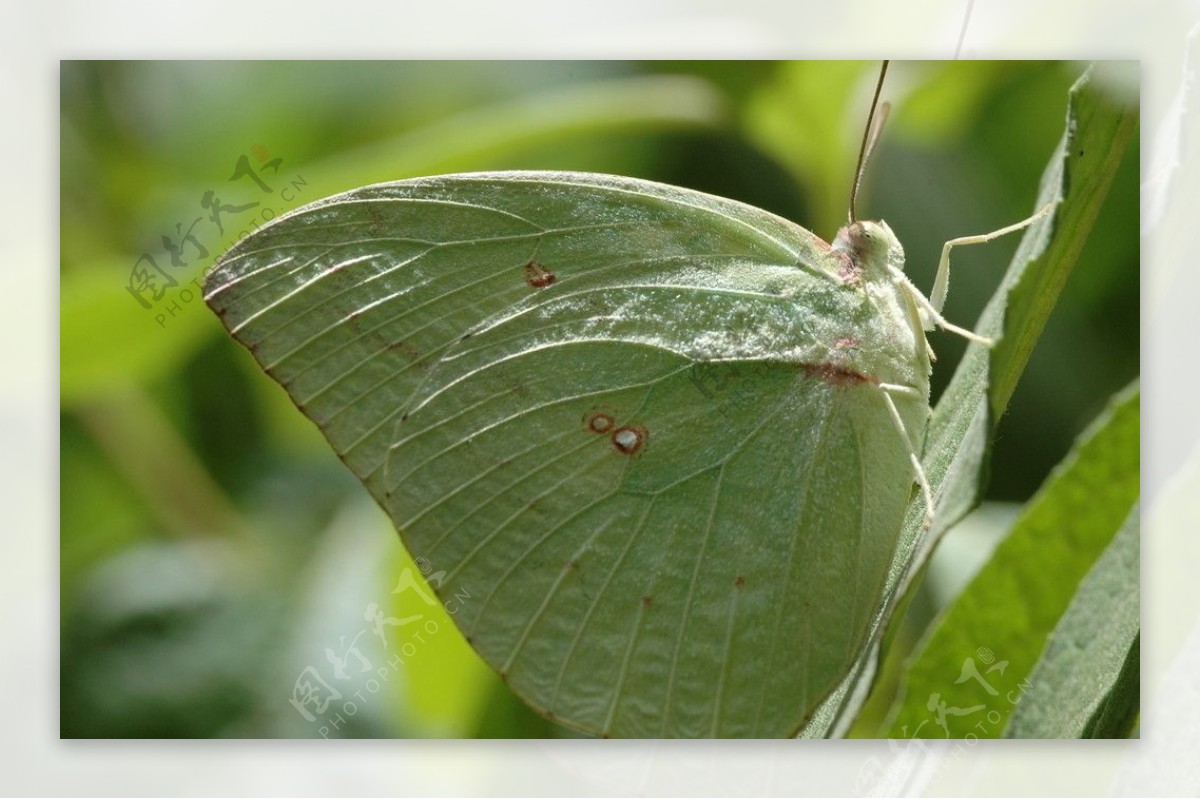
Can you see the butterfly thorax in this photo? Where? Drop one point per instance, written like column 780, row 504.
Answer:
column 872, row 261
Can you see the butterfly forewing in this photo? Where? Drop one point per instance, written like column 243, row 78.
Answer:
column 623, row 419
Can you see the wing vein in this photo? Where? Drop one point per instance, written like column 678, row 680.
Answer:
column 787, row 575
column 587, row 616
column 687, row 604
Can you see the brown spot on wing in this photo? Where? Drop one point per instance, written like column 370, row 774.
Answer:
column 538, row 276
column 837, row 375
column 600, row 422
column 410, row 351
column 376, row 227
column 629, row 440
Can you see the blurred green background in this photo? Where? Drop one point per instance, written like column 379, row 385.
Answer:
column 217, row 558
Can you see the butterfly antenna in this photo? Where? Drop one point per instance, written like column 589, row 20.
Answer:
column 870, row 136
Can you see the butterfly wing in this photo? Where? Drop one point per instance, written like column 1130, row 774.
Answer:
column 622, row 421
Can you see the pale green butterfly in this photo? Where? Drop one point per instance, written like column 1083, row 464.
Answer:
column 650, row 432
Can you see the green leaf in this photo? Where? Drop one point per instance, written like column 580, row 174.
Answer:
column 1119, row 712
column 1086, row 684
column 1011, row 607
column 1076, row 180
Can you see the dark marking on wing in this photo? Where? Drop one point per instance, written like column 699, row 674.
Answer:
column 376, row 227
column 629, row 440
column 599, row 422
column 411, row 352
column 538, row 276
column 836, row 375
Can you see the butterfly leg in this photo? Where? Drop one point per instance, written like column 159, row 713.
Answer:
column 919, row 471
column 937, row 297
column 933, row 318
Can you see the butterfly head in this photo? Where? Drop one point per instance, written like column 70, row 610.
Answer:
column 871, row 248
